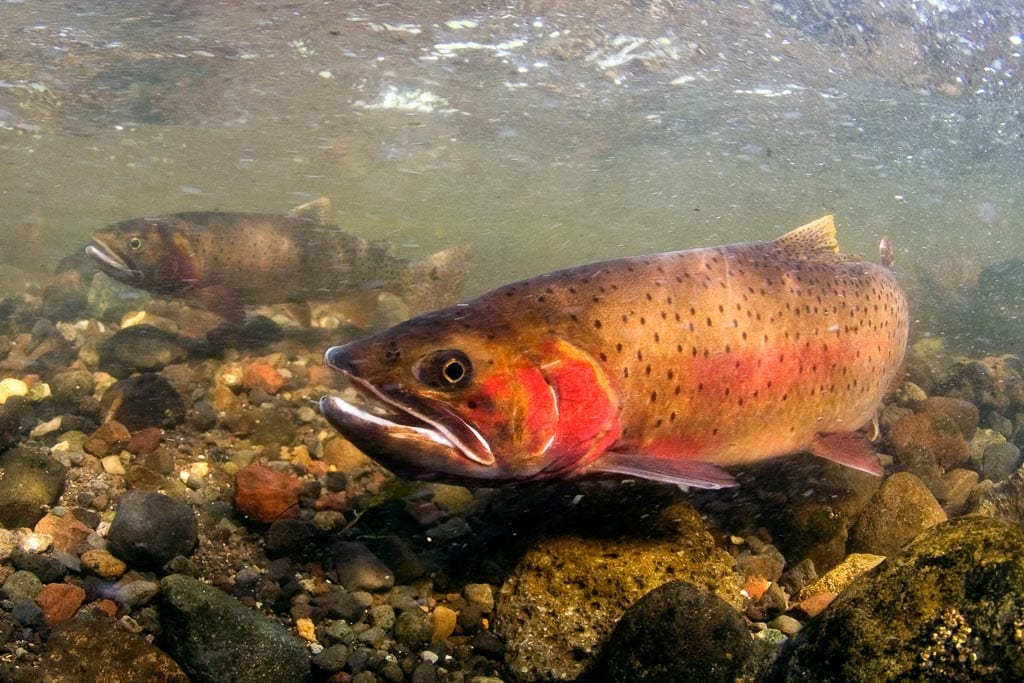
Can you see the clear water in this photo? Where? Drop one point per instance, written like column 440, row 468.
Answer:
column 546, row 134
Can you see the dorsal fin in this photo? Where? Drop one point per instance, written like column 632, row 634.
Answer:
column 814, row 240
column 317, row 210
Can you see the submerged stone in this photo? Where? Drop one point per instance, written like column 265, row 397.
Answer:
column 143, row 401
column 949, row 607
column 140, row 348
column 677, row 632
column 150, row 529
column 31, row 481
column 216, row 638
column 567, row 592
column 92, row 650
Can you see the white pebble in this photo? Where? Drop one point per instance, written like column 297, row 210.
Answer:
column 36, row 543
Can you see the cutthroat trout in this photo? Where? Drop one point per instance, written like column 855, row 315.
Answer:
column 224, row 261
column 667, row 367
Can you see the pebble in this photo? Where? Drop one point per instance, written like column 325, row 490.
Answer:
column 358, row 569
column 479, row 594
column 103, row 564
column 10, row 386
column 59, row 602
column 445, row 620
column 134, row 594
column 306, row 629
column 786, row 624
column 332, row 659
column 150, row 529
column 264, row 495
column 262, row 376
column 21, row 584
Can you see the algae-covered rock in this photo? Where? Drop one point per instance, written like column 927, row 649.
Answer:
column 567, row 592
column 30, row 480
column 949, row 607
column 900, row 510
column 216, row 638
column 93, row 650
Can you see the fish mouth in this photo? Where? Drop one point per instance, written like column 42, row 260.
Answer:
column 396, row 421
column 111, row 263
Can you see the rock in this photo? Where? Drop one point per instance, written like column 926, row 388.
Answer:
column 150, row 529
column 815, row 605
column 140, row 348
column 595, row 579
column 145, row 440
column 103, row 564
column 445, row 620
column 135, row 593
column 677, row 632
column 842, row 575
column 767, row 563
column 479, row 594
column 11, row 386
column 262, row 376
column 71, row 386
column 48, row 567
column 957, row 486
column 414, row 629
column 67, row 532
column 949, row 606
column 932, row 437
column 900, row 510
column 287, row 536
column 91, row 650
column 215, row 638
column 264, row 495
column 992, row 383
column 31, row 481
column 109, row 437
column 59, row 602
column 358, row 569
column 786, row 624
column 21, row 585
column 142, row 401
column 999, row 461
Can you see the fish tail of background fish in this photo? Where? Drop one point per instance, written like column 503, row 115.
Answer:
column 433, row 282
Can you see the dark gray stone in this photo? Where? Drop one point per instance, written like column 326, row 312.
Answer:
column 31, row 481
column 140, row 348
column 145, row 400
column 27, row 613
column 332, row 659
column 999, row 461
column 48, row 568
column 677, row 632
column 150, row 529
column 359, row 569
column 216, row 638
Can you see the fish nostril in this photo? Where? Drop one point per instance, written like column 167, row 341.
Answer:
column 337, row 358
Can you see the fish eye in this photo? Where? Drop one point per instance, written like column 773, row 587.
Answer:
column 135, row 243
column 445, row 369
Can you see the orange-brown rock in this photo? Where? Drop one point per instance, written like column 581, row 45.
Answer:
column 262, row 376
column 59, row 602
column 264, row 495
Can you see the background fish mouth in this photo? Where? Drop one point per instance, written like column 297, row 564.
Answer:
column 408, row 417
column 111, row 263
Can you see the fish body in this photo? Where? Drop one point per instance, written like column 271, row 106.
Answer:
column 669, row 367
column 224, row 261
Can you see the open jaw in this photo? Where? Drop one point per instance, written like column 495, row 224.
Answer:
column 111, row 263
column 410, row 424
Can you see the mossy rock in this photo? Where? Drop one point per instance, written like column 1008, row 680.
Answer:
column 949, row 607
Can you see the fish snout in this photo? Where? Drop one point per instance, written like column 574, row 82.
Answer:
column 339, row 358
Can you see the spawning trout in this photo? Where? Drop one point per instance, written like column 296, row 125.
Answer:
column 224, row 261
column 668, row 367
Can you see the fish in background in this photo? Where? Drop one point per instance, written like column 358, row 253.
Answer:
column 225, row 261
column 668, row 367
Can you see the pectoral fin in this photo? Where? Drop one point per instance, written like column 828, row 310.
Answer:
column 693, row 473
column 847, row 448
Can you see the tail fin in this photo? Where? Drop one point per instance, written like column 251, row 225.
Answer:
column 434, row 281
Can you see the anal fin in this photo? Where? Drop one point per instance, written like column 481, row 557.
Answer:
column 847, row 448
column 702, row 475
